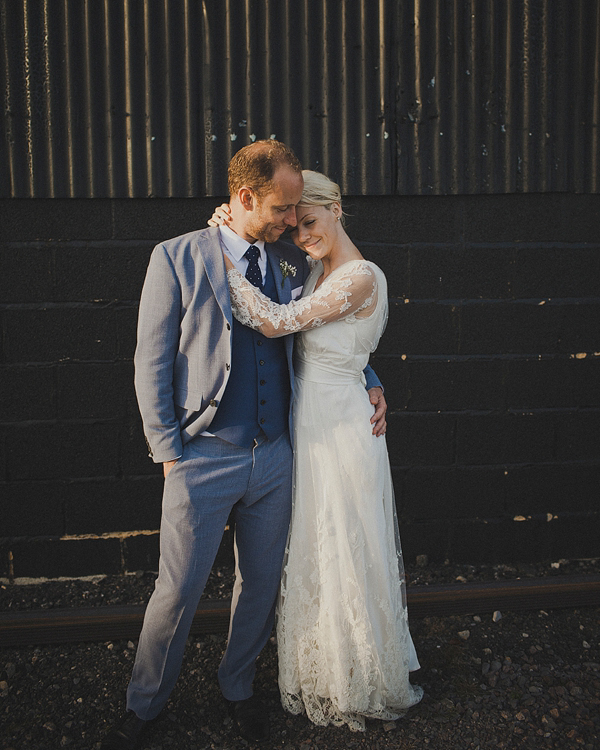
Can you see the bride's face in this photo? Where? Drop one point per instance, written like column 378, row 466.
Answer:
column 317, row 229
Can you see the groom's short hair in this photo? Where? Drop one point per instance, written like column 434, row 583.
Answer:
column 254, row 166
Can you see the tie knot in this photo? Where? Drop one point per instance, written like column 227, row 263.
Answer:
column 252, row 253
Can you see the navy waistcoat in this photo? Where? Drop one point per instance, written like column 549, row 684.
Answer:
column 257, row 396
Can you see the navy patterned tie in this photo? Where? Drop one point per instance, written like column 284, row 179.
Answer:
column 253, row 273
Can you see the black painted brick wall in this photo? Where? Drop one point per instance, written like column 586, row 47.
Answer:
column 491, row 363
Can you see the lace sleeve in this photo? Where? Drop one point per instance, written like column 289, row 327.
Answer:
column 349, row 291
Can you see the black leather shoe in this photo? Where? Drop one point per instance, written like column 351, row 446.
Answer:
column 125, row 734
column 251, row 719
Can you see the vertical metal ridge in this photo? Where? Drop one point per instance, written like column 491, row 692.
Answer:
column 385, row 175
column 128, row 81
column 453, row 137
column 110, row 93
column 30, row 193
column 594, row 186
column 508, row 111
column 8, row 152
column 148, row 113
column 416, row 159
column 88, row 137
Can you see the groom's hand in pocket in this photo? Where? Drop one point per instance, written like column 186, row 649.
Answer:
column 167, row 466
column 377, row 398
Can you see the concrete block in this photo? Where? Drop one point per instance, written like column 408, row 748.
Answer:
column 26, row 274
column 160, row 219
column 113, row 505
column 62, row 451
column 26, row 219
column 585, row 380
column 445, row 494
column 59, row 334
column 567, row 272
column 133, row 452
column 404, row 219
column 393, row 261
column 393, row 373
column 420, row 439
column 498, row 541
column 574, row 536
column 421, row 329
column 504, row 439
column 556, row 382
column 32, row 509
column 126, row 320
column 56, row 557
column 578, row 436
column 524, row 217
column 552, row 489
column 424, row 538
column 579, row 328
column 93, row 391
column 510, row 328
column 581, row 216
column 538, row 383
column 455, row 272
column 100, row 272
column 141, row 552
column 455, row 385
column 28, row 393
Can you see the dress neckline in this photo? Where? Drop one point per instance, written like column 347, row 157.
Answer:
column 335, row 270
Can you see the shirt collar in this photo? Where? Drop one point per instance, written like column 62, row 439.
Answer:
column 237, row 245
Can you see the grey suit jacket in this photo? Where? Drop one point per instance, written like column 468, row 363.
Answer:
column 183, row 354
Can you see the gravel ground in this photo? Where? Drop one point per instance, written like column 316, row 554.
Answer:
column 526, row 680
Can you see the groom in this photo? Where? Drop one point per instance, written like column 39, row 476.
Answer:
column 215, row 402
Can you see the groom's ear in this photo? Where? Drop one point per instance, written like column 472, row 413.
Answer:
column 247, row 198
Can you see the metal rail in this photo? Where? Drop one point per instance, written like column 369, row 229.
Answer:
column 121, row 622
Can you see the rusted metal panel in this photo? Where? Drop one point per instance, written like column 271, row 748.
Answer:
column 135, row 98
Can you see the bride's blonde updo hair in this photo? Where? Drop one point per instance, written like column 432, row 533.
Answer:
column 319, row 190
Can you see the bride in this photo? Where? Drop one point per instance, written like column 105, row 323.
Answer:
column 344, row 646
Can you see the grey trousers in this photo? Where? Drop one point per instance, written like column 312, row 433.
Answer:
column 211, row 479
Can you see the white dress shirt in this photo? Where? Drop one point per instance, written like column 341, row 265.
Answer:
column 235, row 247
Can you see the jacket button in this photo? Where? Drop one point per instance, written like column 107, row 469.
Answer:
column 261, row 361
column 262, row 421
column 259, row 343
column 262, row 402
column 227, row 367
column 213, row 402
column 228, row 327
column 262, row 382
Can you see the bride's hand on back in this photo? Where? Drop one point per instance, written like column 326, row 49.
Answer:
column 221, row 216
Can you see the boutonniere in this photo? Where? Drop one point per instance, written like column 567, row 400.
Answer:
column 286, row 270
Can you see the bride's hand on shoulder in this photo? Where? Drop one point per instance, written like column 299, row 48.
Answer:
column 221, row 216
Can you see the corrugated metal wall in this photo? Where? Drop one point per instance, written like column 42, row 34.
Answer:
column 135, row 98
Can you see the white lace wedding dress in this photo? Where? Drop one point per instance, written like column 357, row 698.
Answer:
column 344, row 646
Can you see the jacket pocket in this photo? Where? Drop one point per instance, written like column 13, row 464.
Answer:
column 190, row 400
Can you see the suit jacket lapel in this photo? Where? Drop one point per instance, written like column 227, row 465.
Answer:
column 212, row 255
column 283, row 286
